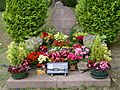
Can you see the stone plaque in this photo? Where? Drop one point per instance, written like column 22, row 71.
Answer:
column 63, row 18
column 57, row 68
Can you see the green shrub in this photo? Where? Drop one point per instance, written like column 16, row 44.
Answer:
column 99, row 16
column 2, row 5
column 24, row 18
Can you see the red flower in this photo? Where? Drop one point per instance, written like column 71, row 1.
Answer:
column 33, row 56
column 44, row 34
column 80, row 37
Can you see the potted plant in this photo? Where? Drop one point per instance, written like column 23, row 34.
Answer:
column 16, row 55
column 99, row 70
column 72, row 60
column 20, row 71
column 100, row 56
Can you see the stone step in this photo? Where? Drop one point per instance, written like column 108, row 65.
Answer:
column 74, row 79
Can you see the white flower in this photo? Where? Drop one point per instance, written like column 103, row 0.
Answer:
column 42, row 58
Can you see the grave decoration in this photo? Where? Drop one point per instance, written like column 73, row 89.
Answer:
column 54, row 53
column 57, row 68
column 61, row 52
column 100, row 58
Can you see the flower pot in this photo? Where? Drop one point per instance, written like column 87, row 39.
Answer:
column 99, row 74
column 19, row 75
column 73, row 67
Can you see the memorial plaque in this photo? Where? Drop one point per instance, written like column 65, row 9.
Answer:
column 57, row 68
column 63, row 18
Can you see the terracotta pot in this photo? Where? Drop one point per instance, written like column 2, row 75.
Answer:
column 73, row 67
column 19, row 75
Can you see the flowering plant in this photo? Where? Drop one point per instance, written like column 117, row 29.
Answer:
column 24, row 67
column 60, row 43
column 58, row 56
column 60, row 36
column 101, row 66
column 78, row 37
column 72, row 58
column 43, row 59
column 82, row 52
column 47, row 38
column 43, row 48
column 33, row 57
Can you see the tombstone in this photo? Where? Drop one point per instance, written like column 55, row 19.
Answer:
column 63, row 18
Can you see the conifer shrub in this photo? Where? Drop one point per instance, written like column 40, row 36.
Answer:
column 24, row 18
column 99, row 16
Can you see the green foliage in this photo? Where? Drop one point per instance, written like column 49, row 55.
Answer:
column 70, row 3
column 49, row 2
column 24, row 18
column 48, row 29
column 73, row 62
column 2, row 5
column 100, row 51
column 99, row 16
column 16, row 53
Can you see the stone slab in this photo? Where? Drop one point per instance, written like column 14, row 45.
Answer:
column 33, row 81
column 81, row 79
column 74, row 79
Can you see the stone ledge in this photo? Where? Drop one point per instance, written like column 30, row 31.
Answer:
column 74, row 79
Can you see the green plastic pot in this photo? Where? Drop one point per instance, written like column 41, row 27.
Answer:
column 99, row 74
column 19, row 75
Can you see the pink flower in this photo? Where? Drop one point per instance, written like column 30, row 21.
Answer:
column 84, row 53
column 71, row 56
column 86, row 56
column 78, row 51
column 87, row 50
column 83, row 47
column 79, row 57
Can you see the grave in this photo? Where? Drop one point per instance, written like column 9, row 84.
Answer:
column 63, row 19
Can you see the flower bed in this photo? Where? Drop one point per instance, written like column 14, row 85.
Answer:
column 58, row 48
